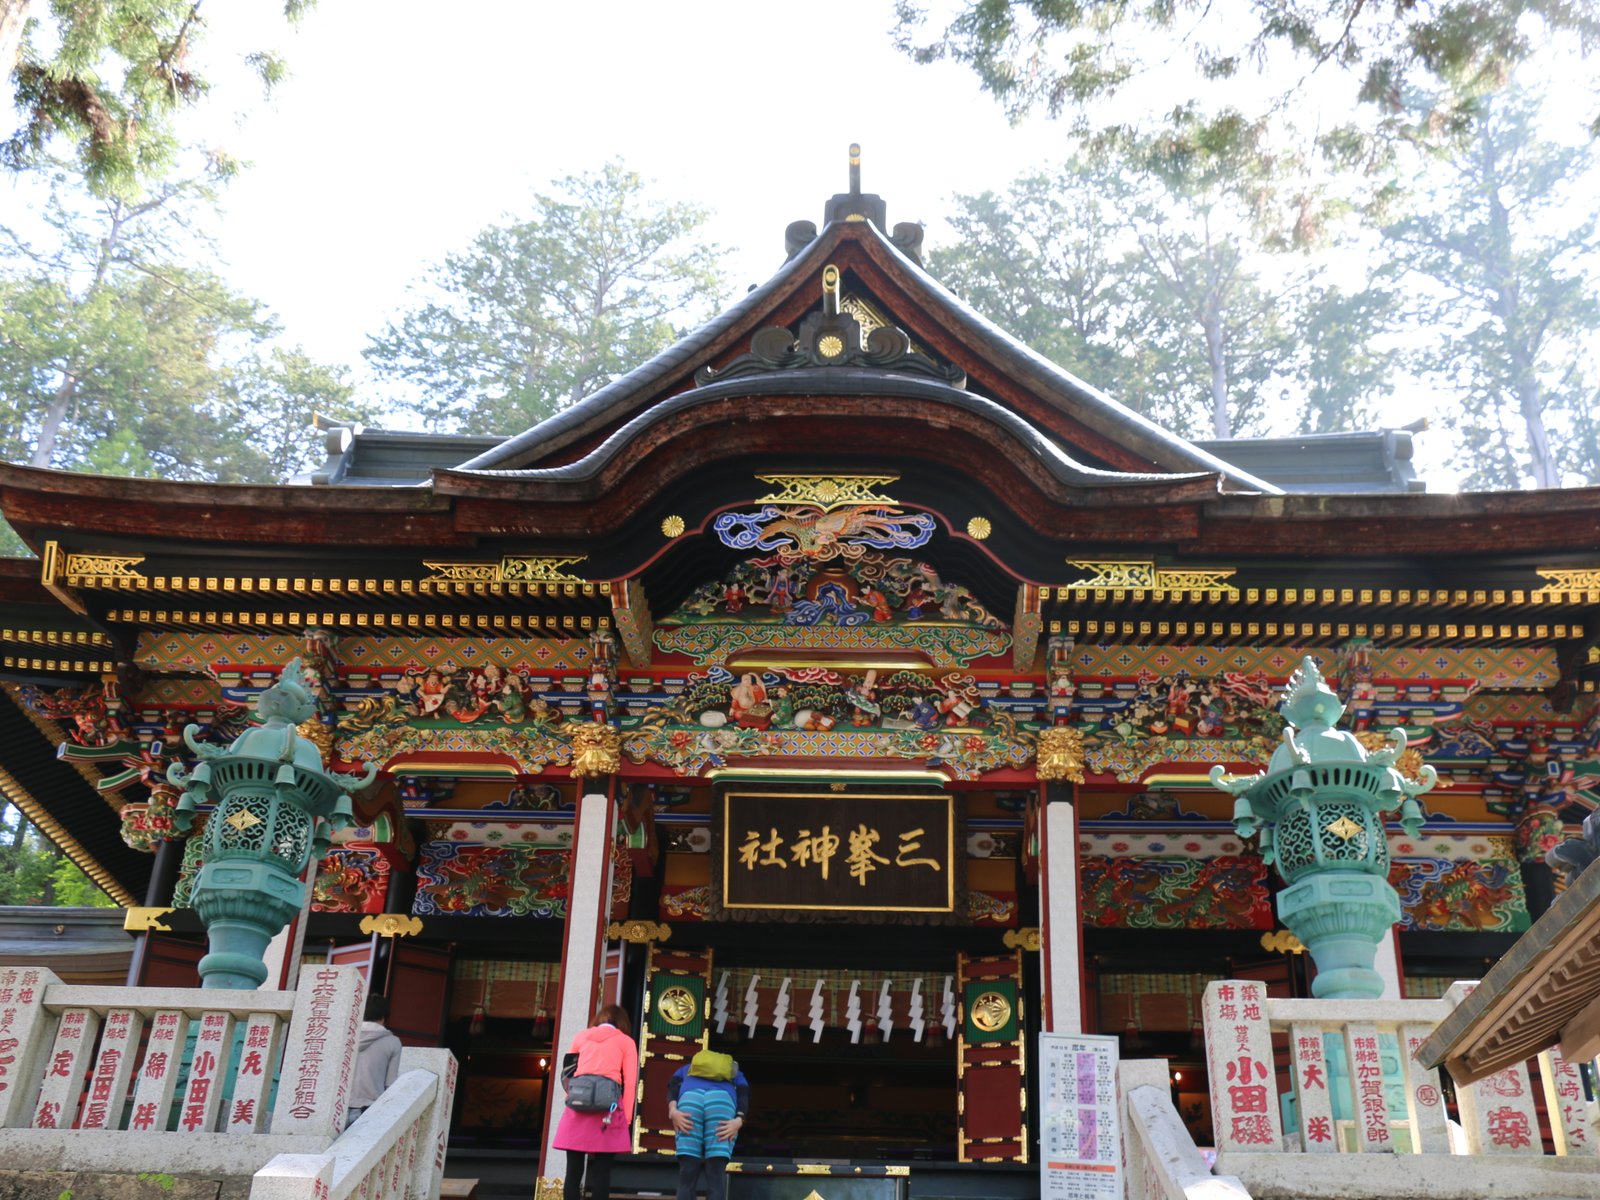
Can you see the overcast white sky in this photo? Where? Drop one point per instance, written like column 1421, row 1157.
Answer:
column 409, row 126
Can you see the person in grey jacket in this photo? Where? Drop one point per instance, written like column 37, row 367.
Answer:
column 377, row 1058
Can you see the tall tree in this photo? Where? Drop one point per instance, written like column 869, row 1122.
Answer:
column 1143, row 266
column 536, row 314
column 114, row 358
column 1072, row 56
column 109, row 76
column 1498, row 246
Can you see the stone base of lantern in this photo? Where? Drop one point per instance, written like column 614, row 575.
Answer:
column 1340, row 917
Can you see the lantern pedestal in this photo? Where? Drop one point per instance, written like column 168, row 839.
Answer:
column 1340, row 919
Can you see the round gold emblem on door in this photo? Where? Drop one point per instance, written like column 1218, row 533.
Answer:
column 677, row 1006
column 991, row 1012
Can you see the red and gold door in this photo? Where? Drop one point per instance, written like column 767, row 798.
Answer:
column 674, row 1028
column 992, row 1099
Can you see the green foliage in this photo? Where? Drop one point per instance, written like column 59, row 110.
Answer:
column 1067, row 55
column 33, row 870
column 1145, row 267
column 108, row 77
column 117, row 357
column 1495, row 247
column 538, row 313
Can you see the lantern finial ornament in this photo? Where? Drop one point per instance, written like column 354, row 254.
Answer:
column 277, row 808
column 1319, row 808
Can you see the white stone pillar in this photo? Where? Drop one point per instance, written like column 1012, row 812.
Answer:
column 1060, row 925
column 588, row 910
column 1387, row 964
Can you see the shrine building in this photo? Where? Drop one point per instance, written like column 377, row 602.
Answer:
column 837, row 688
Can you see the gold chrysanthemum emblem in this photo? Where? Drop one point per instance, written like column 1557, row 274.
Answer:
column 672, row 526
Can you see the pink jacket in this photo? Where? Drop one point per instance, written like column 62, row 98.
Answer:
column 606, row 1050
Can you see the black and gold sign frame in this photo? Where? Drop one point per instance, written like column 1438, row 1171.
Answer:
column 804, row 855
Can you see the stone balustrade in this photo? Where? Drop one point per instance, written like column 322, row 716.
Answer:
column 1389, row 1134
column 215, row 1082
column 1161, row 1159
column 394, row 1151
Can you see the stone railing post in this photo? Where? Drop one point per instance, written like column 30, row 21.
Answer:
column 294, row 1177
column 320, row 1051
column 26, row 1031
column 426, row 1166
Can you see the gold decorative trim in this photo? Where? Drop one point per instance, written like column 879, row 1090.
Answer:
column 672, row 526
column 1307, row 633
column 55, row 637
column 1281, row 941
column 596, row 750
column 677, row 1006
column 1022, row 939
column 51, row 561
column 1145, row 575
column 1563, row 579
column 425, row 623
column 638, row 932
column 95, row 568
column 1060, row 755
column 13, row 791
column 139, row 919
column 826, row 492
column 1344, row 828
column 509, row 570
column 979, row 528
column 391, row 925
column 991, row 1011
column 1408, row 764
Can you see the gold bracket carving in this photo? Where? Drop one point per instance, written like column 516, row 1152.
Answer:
column 508, row 570
column 1060, row 755
column 1559, row 579
column 596, row 750
column 1022, row 939
column 1146, row 576
column 826, row 492
column 1281, row 941
column 391, row 925
column 141, row 919
column 102, row 566
column 638, row 932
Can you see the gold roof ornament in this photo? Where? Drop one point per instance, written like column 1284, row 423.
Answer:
column 511, row 569
column 1060, row 755
column 826, row 492
column 1146, row 576
column 596, row 750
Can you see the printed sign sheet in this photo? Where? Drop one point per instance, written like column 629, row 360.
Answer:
column 1079, row 1138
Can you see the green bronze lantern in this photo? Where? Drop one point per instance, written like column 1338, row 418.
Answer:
column 1319, row 808
column 277, row 809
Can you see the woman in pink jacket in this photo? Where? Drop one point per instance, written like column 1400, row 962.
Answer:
column 592, row 1140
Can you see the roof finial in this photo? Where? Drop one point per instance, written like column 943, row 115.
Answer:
column 855, row 168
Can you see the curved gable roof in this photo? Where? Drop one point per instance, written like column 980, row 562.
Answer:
column 1079, row 420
